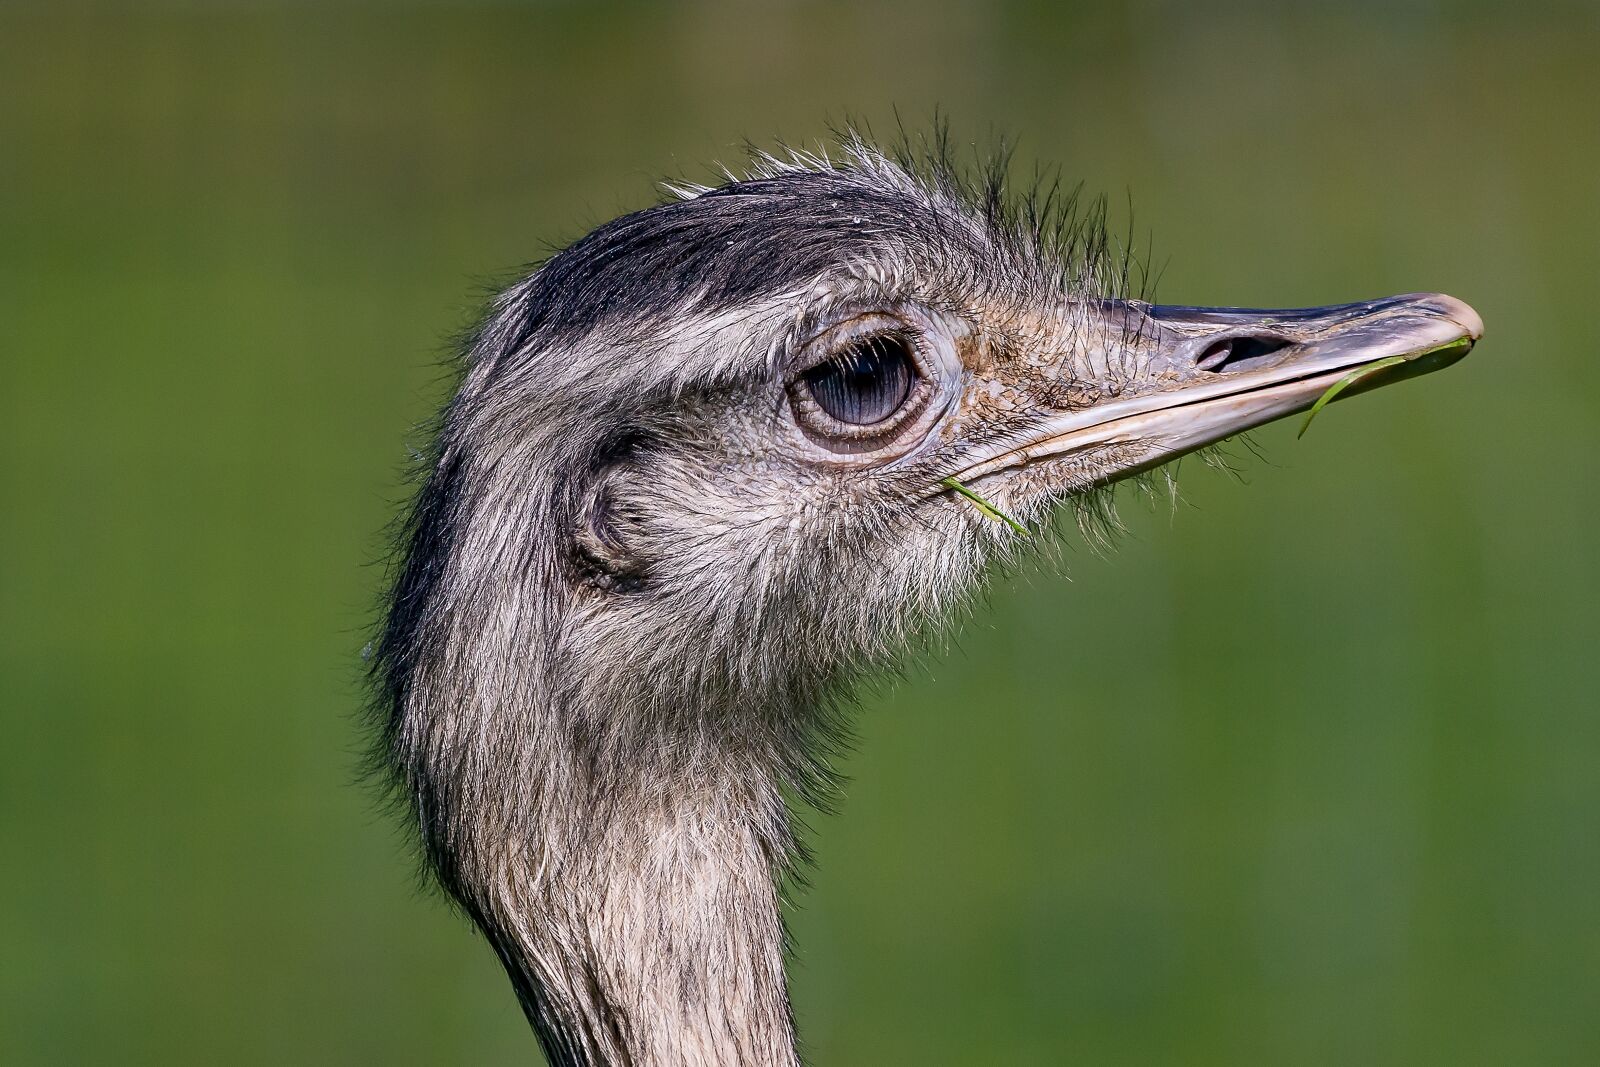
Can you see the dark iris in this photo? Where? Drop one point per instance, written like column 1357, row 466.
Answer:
column 865, row 383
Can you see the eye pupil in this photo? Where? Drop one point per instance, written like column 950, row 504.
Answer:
column 865, row 383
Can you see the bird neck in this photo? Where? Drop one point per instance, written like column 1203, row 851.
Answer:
column 610, row 814
column 646, row 929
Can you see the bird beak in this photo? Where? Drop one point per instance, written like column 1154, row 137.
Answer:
column 1199, row 375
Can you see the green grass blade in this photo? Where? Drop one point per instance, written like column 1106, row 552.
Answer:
column 986, row 509
column 1344, row 383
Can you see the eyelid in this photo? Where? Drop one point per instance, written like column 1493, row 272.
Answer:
column 833, row 338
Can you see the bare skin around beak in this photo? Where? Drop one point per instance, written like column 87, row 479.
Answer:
column 1209, row 373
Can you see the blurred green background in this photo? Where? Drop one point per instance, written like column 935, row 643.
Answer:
column 1308, row 771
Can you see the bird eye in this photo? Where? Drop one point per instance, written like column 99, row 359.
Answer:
column 866, row 382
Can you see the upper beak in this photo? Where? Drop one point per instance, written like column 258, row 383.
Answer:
column 1215, row 372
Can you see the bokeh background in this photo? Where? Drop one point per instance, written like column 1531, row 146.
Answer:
column 1307, row 771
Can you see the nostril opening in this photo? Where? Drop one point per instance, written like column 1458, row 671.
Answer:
column 1239, row 353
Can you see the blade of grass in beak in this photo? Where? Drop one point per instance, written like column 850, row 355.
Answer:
column 986, row 509
column 1344, row 383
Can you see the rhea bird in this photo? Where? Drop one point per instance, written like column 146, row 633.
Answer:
column 705, row 468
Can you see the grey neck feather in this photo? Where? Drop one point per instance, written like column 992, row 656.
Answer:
column 656, row 937
column 620, row 837
column 631, row 889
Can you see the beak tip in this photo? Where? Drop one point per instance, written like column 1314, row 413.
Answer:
column 1457, row 311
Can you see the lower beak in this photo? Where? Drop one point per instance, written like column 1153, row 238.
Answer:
column 1217, row 372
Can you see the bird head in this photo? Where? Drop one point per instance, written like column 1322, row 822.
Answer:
column 707, row 464
column 745, row 442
